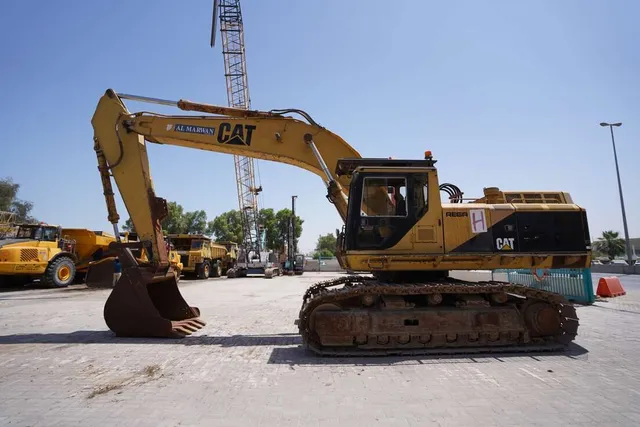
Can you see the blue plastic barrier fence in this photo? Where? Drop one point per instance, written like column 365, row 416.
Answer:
column 573, row 283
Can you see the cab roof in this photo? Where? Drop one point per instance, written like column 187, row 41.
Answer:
column 348, row 166
column 37, row 225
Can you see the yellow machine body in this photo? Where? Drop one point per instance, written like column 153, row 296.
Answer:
column 396, row 228
column 58, row 256
column 199, row 255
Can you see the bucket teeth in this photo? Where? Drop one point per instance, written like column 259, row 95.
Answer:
column 199, row 323
column 188, row 326
column 182, row 329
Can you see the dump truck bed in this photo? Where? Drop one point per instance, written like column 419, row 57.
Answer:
column 90, row 245
column 218, row 251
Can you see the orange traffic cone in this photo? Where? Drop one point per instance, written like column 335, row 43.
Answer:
column 610, row 287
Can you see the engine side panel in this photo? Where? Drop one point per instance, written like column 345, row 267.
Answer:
column 532, row 231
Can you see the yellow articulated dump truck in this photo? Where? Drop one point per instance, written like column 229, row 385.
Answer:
column 55, row 255
column 199, row 255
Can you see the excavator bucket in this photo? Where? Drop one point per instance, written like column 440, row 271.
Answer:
column 100, row 273
column 144, row 304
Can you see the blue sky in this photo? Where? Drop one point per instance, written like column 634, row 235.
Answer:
column 504, row 93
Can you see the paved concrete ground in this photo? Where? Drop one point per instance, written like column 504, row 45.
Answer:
column 59, row 365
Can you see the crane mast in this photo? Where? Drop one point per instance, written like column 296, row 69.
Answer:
column 233, row 51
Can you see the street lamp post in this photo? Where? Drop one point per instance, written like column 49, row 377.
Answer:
column 293, row 225
column 624, row 215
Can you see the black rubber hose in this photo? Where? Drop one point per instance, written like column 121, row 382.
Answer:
column 454, row 192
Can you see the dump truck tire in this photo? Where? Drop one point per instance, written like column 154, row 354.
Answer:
column 60, row 272
column 204, row 270
column 216, row 270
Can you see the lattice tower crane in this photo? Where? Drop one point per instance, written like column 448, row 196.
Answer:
column 232, row 34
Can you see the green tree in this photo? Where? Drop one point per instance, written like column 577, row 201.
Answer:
column 22, row 209
column 9, row 201
column 267, row 221
column 195, row 222
column 175, row 222
column 282, row 225
column 326, row 245
column 128, row 225
column 323, row 253
column 8, row 193
column 226, row 227
column 610, row 243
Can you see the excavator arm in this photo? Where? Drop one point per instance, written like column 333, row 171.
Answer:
column 120, row 143
column 146, row 301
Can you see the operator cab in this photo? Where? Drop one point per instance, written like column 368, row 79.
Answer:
column 387, row 198
column 47, row 233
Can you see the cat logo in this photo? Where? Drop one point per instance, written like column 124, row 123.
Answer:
column 228, row 133
column 238, row 135
column 505, row 243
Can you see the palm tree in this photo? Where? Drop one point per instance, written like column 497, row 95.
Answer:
column 610, row 243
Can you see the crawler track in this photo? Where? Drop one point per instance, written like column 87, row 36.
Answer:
column 467, row 320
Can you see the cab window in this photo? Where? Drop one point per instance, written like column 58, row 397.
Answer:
column 421, row 195
column 49, row 234
column 25, row 233
column 389, row 207
column 196, row 244
column 384, row 197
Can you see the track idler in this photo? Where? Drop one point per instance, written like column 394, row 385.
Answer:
column 148, row 304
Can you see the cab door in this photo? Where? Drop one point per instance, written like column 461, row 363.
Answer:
column 428, row 233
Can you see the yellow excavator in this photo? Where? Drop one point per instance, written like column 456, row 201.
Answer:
column 395, row 228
